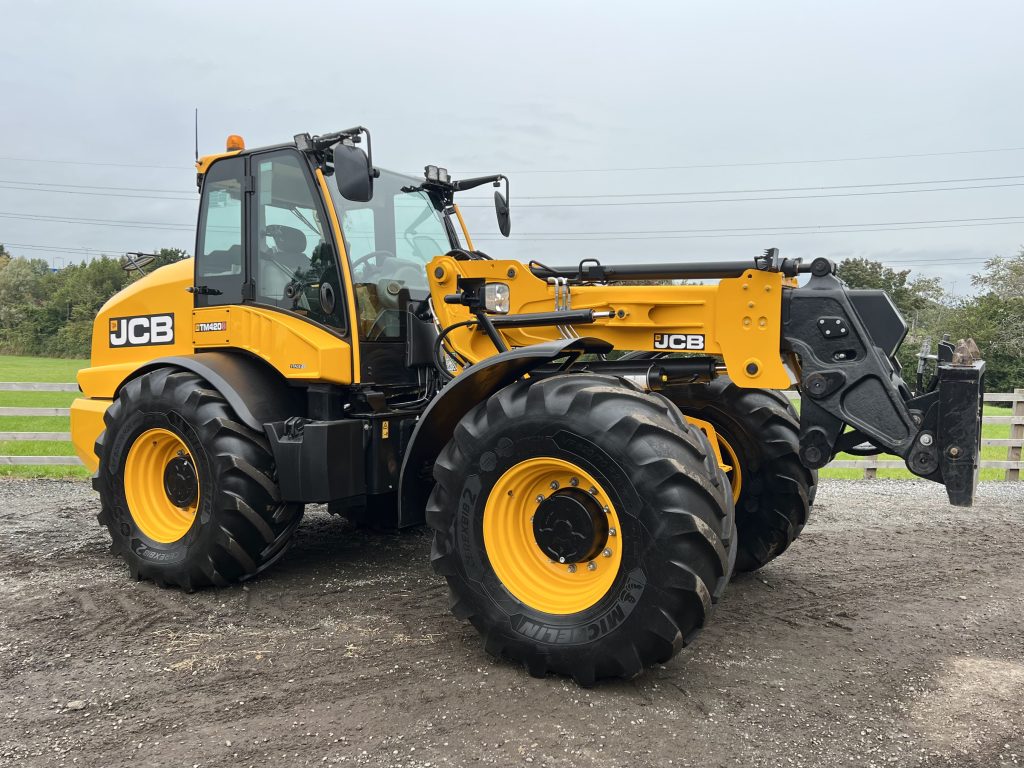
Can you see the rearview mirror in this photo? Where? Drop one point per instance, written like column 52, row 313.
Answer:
column 352, row 173
column 137, row 262
column 501, row 208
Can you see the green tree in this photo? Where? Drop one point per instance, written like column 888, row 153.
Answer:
column 909, row 295
column 24, row 287
column 80, row 291
column 1003, row 277
column 52, row 313
column 164, row 257
column 919, row 300
column 995, row 319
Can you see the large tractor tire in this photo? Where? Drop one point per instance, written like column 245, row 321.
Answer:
column 759, row 437
column 187, row 491
column 583, row 526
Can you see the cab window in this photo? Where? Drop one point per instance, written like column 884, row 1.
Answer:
column 295, row 264
column 389, row 242
column 220, row 260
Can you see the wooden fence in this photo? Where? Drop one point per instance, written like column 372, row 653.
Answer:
column 1012, row 465
column 33, row 386
column 871, row 464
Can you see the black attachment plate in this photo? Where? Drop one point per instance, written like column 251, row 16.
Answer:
column 961, row 396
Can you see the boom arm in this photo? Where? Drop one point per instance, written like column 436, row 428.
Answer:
column 755, row 324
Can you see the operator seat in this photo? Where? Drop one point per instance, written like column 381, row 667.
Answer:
column 282, row 264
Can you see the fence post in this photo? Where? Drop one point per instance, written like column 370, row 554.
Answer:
column 870, row 470
column 1016, row 433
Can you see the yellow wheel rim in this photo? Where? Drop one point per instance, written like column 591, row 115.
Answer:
column 527, row 571
column 156, row 485
column 732, row 470
column 724, row 453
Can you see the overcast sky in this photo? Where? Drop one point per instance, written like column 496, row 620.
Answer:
column 553, row 94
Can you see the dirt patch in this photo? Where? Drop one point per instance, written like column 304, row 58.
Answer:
column 890, row 634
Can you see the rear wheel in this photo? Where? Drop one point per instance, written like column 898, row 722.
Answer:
column 187, row 491
column 583, row 527
column 759, row 436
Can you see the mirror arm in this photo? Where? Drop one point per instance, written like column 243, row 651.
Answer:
column 477, row 181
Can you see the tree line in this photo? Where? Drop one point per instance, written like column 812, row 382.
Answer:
column 50, row 313
column 993, row 316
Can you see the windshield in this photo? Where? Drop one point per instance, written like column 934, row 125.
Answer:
column 389, row 242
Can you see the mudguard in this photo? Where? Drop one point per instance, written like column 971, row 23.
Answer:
column 254, row 390
column 477, row 383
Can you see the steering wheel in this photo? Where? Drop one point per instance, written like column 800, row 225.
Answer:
column 376, row 255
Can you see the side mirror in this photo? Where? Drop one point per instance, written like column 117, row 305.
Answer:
column 137, row 262
column 501, row 209
column 353, row 173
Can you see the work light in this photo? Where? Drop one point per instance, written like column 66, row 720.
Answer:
column 496, row 298
column 436, row 174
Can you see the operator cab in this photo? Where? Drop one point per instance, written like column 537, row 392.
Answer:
column 266, row 238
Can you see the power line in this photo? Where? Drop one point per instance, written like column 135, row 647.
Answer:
column 763, row 233
column 761, row 162
column 91, row 252
column 762, row 228
column 89, row 162
column 758, row 199
column 927, row 260
column 749, row 164
column 157, row 225
column 80, row 250
column 614, row 234
column 192, row 193
column 767, row 189
column 96, row 186
column 79, row 189
column 99, row 194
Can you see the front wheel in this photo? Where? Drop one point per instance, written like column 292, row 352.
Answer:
column 583, row 527
column 187, row 491
column 759, row 437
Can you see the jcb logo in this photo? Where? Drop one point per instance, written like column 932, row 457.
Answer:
column 684, row 342
column 142, row 331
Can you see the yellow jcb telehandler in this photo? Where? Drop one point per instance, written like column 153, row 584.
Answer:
column 595, row 456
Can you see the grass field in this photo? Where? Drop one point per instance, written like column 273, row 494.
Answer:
column 14, row 368
column 54, row 370
column 989, row 452
column 44, row 369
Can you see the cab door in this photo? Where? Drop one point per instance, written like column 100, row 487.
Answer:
column 220, row 248
column 293, row 260
column 267, row 277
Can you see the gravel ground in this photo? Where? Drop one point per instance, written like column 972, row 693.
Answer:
column 891, row 633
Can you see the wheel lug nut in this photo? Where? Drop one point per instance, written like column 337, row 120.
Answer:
column 605, row 510
column 574, row 482
column 593, row 491
column 572, row 568
column 554, row 485
column 562, row 560
column 612, row 532
column 540, row 497
column 591, row 566
column 607, row 553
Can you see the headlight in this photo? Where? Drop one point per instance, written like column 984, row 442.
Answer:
column 496, row 298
